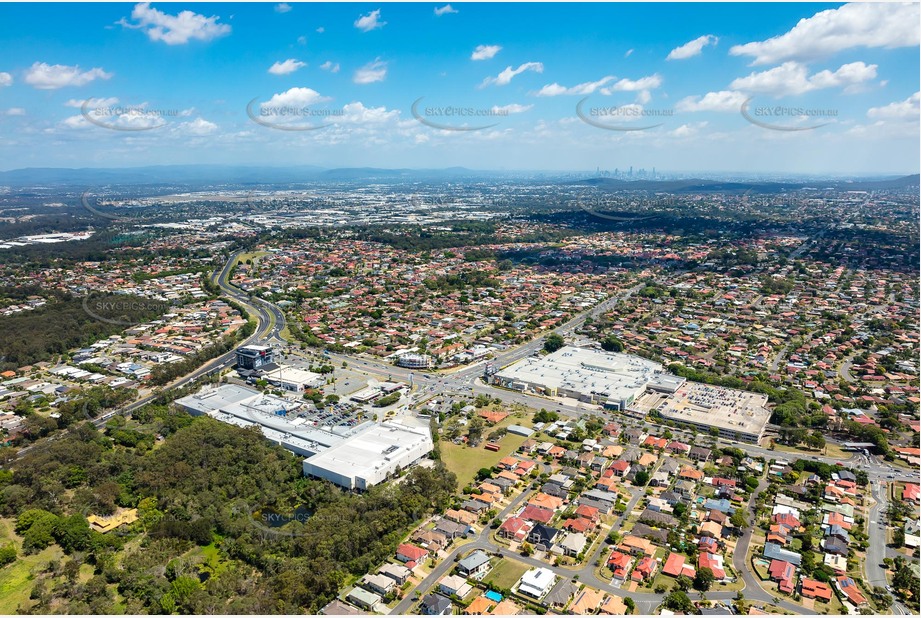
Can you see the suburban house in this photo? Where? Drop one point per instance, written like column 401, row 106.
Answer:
column 474, row 566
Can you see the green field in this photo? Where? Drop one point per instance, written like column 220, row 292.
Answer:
column 464, row 461
column 16, row 579
column 506, row 573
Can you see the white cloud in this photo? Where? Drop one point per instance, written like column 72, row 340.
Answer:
column 688, row 130
column 371, row 21
column 288, row 66
column 554, row 89
column 792, row 78
column 329, row 65
column 175, row 29
column 505, row 77
column 879, row 24
column 628, row 53
column 5, row 79
column 692, row 48
column 511, row 108
column 296, row 97
column 372, row 72
column 283, row 7
column 52, row 76
column 302, row 40
column 445, row 10
column 93, row 103
column 199, row 126
column 650, row 82
column 722, row 101
column 321, row 30
column 485, row 52
column 356, row 112
column 15, row 111
column 909, row 109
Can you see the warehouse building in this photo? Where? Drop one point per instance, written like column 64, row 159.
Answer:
column 370, row 456
column 608, row 378
column 351, row 457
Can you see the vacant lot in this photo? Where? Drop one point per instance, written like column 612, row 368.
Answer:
column 506, row 573
column 465, row 461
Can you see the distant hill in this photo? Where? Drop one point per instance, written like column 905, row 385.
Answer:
column 221, row 174
column 206, row 174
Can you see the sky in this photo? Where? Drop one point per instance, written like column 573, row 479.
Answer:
column 762, row 88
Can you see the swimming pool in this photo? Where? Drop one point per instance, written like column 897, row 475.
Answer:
column 492, row 595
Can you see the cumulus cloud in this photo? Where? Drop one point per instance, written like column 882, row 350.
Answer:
column 174, row 29
column 356, row 112
column 445, row 10
column 879, row 24
column 722, row 101
column 198, row 127
column 52, row 76
column 92, row 102
column 628, row 53
column 555, row 89
column 296, row 97
column 909, row 109
column 372, row 72
column 287, row 66
column 485, row 52
column 282, row 7
column 329, row 65
column 792, row 78
column 650, row 82
column 369, row 22
column 505, row 77
column 15, row 111
column 5, row 79
column 692, row 48
column 511, row 108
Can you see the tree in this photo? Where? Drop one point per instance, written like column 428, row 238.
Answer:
column 553, row 342
column 628, row 602
column 612, row 344
column 483, row 474
column 678, row 601
column 641, row 479
column 7, row 555
column 683, row 582
column 526, row 549
column 704, row 579
column 738, row 519
column 475, row 429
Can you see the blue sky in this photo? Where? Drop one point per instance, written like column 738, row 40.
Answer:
column 798, row 88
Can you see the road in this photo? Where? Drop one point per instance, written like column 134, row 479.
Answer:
column 875, row 575
column 266, row 313
column 271, row 321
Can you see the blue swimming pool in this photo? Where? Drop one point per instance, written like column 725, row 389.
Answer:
column 492, row 595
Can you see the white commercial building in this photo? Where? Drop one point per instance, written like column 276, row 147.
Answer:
column 595, row 376
column 293, row 379
column 736, row 414
column 369, row 457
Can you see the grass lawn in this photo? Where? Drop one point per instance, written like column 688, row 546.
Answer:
column 253, row 256
column 465, row 461
column 830, row 450
column 16, row 578
column 506, row 573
